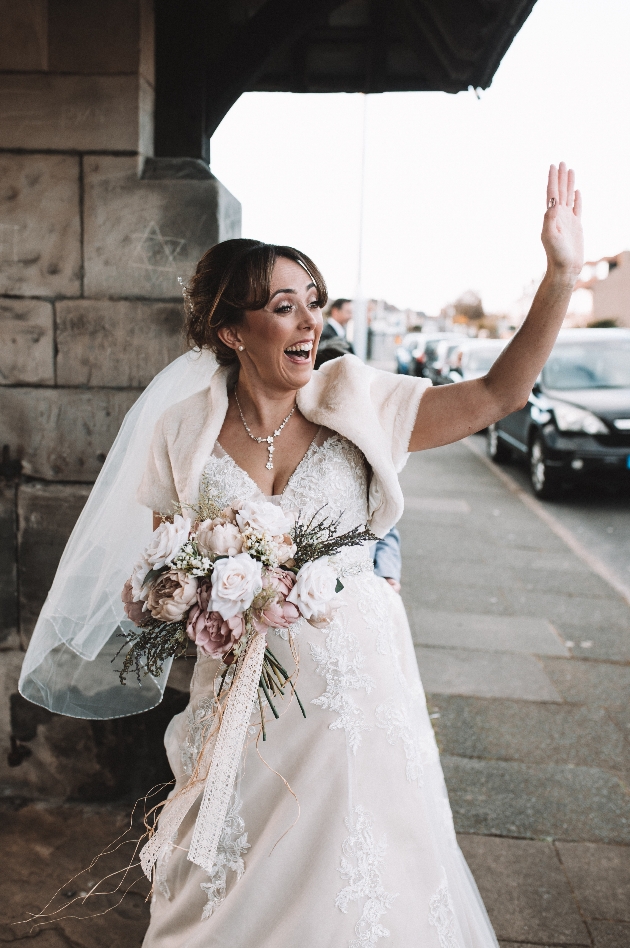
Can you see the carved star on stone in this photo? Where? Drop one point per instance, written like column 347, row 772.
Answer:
column 154, row 251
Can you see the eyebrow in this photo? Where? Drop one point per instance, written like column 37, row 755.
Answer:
column 309, row 287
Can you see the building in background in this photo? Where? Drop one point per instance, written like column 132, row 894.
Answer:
column 602, row 295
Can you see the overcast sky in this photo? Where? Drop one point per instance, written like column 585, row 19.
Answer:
column 454, row 187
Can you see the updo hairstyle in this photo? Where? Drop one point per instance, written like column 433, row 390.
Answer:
column 232, row 277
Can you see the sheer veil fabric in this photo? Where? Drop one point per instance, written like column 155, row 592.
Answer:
column 68, row 664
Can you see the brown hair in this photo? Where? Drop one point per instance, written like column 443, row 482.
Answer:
column 230, row 278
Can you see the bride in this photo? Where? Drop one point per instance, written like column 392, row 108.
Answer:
column 338, row 830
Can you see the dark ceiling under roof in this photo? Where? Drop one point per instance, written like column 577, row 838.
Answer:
column 211, row 51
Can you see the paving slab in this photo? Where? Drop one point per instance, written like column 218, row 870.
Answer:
column 529, row 733
column 600, row 878
column 610, row 934
column 587, row 682
column 484, row 674
column 438, row 505
column 498, row 798
column 484, row 632
column 45, row 847
column 524, row 890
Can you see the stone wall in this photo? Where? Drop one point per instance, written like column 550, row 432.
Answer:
column 94, row 232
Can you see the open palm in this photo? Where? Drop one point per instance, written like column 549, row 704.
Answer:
column 562, row 235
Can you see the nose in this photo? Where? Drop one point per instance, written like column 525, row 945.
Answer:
column 309, row 318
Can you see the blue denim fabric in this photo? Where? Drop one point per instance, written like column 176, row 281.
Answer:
column 386, row 556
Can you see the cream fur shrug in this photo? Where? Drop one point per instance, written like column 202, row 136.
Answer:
column 373, row 409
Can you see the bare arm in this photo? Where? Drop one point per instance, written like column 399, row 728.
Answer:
column 450, row 412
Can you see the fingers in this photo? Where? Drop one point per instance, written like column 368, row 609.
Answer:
column 562, row 183
column 577, row 205
column 570, row 187
column 552, row 186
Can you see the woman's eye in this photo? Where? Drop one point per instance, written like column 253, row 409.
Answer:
column 284, row 308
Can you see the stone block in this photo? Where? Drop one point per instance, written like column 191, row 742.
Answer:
column 47, row 513
column 61, row 434
column 141, row 234
column 529, row 732
column 458, row 671
column 525, row 891
column 600, row 878
column 10, row 666
column 94, row 38
column 26, row 342
column 116, row 343
column 610, row 934
column 494, row 633
column 499, row 798
column 23, row 38
column 40, row 253
column 73, row 113
column 8, row 570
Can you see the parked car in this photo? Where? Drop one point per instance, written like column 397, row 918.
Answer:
column 473, row 358
column 576, row 424
column 404, row 357
column 438, row 366
column 427, row 351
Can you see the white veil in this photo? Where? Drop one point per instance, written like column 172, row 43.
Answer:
column 68, row 666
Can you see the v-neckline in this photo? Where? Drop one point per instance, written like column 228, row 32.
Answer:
column 313, row 446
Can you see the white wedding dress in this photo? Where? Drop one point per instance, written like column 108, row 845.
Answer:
column 364, row 853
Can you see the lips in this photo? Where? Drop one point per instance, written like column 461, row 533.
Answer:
column 300, row 351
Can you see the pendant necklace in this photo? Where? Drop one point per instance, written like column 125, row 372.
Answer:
column 269, row 439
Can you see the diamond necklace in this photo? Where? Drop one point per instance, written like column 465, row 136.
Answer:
column 269, row 439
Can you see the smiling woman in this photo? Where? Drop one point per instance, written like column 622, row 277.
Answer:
column 373, row 853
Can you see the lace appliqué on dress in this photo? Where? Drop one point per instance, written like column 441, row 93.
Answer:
column 232, row 844
column 339, row 662
column 394, row 717
column 199, row 723
column 361, row 867
column 442, row 916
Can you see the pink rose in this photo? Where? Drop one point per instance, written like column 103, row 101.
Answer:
column 172, row 595
column 278, row 613
column 212, row 634
column 222, row 539
column 133, row 610
column 281, row 580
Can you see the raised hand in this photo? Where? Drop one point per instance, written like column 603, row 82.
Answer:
column 562, row 227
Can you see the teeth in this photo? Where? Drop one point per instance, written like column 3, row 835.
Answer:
column 300, row 347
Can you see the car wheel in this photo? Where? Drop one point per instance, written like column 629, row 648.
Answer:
column 544, row 482
column 498, row 450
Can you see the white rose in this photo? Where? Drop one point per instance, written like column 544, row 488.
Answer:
column 263, row 517
column 138, row 573
column 314, row 588
column 167, row 541
column 235, row 582
column 222, row 539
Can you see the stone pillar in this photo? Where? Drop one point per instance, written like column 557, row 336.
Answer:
column 94, row 232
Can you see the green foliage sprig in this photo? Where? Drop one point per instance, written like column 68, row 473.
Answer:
column 315, row 538
column 150, row 647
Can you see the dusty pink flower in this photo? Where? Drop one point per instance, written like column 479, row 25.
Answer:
column 172, row 595
column 281, row 580
column 222, row 539
column 212, row 634
column 133, row 610
column 278, row 613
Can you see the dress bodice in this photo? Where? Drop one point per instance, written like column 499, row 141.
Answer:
column 332, row 475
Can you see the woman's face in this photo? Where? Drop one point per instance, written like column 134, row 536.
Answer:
column 280, row 341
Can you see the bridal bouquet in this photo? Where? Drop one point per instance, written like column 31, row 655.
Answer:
column 222, row 576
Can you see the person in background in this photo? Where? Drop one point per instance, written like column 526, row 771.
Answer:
column 338, row 318
column 333, row 344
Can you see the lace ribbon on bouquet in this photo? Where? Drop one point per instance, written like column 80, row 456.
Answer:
column 220, row 764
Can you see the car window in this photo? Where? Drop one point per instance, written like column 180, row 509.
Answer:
column 481, row 360
column 600, row 364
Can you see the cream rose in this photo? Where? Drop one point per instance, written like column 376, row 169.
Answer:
column 263, row 517
column 235, row 582
column 314, row 589
column 138, row 573
column 172, row 595
column 222, row 539
column 167, row 541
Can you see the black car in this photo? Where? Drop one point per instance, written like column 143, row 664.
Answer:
column 576, row 423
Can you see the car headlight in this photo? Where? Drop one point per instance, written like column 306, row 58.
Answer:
column 572, row 418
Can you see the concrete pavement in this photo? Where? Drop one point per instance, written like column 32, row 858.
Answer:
column 525, row 657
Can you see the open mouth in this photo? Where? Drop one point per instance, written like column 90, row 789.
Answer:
column 300, row 352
